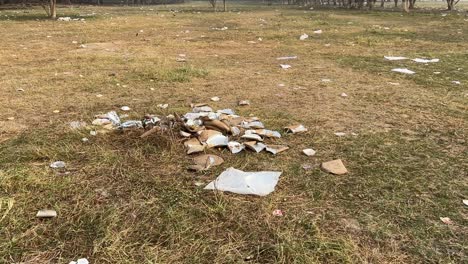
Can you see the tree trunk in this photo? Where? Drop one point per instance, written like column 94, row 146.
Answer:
column 411, row 4
column 53, row 9
column 449, row 5
column 396, row 3
column 382, row 3
column 224, row 6
column 406, row 6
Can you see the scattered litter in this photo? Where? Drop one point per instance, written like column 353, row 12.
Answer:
column 20, row 90
column 75, row 42
column 193, row 145
column 98, row 95
column 425, row 60
column 205, row 162
column 131, row 124
column 340, row 134
column 125, row 108
column 277, row 212
column 296, row 129
column 318, row 31
column 93, row 133
column 77, row 124
column 268, row 133
column 252, row 137
column 275, row 149
column 215, row 99
column 456, row 82
column 285, row 66
column 326, row 80
column 46, row 213
column 446, row 220
column 235, row 147
column 343, row 95
column 240, row 182
column 11, row 118
column 436, row 72
column 335, row 167
column 307, row 167
column 465, row 202
column 84, row 140
column 403, row 70
column 395, row 58
column 287, row 58
column 181, row 59
column 304, row 36
column 57, row 165
column 80, row 261
column 163, row 106
column 281, row 85
column 309, row 152
column 255, row 146
column 394, row 83
column 244, row 102
column 56, row 111
column 222, row 29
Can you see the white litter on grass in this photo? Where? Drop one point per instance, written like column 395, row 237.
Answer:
column 391, row 58
column 403, row 70
column 57, row 165
column 125, row 108
column 287, row 58
column 425, row 60
column 436, row 72
column 318, row 31
column 235, row 147
column 285, row 66
column 80, row 261
column 343, row 95
column 163, row 106
column 326, row 80
column 394, row 83
column 465, row 202
column 304, row 36
column 340, row 134
column 215, row 99
column 84, row 140
column 309, row 152
column 456, row 82
column 240, row 182
column 98, row 95
column 46, row 213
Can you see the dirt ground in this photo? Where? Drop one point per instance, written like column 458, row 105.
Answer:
column 124, row 199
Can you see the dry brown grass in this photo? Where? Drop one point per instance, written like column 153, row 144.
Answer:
column 129, row 200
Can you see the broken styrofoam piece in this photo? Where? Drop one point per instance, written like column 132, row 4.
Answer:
column 244, row 102
column 425, row 60
column 131, row 124
column 303, row 36
column 309, row 152
column 101, row 121
column 252, row 124
column 391, row 58
column 235, row 131
column 318, row 31
column 326, row 80
column 84, row 140
column 296, row 129
column 235, row 147
column 285, row 66
column 125, row 108
column 199, row 109
column 163, row 106
column 403, row 70
column 46, row 213
column 255, row 146
column 275, row 149
column 236, row 181
column 287, row 58
column 193, row 145
column 340, row 134
column 217, row 141
column 267, row 133
column 252, row 137
column 335, row 167
column 215, row 99
column 80, row 261
column 343, row 95
column 57, row 165
column 446, row 220
column 456, row 82
column 226, row 111
column 193, row 116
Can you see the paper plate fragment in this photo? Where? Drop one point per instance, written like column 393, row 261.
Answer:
column 205, row 162
column 215, row 99
column 57, row 165
column 240, row 182
column 253, row 145
column 296, row 129
column 425, row 60
column 446, row 220
column 340, row 134
column 391, row 58
column 125, row 108
column 318, row 31
column 46, row 213
column 287, row 58
column 403, row 70
column 278, row 212
column 244, row 102
column 252, row 137
column 268, row 133
column 304, row 36
column 309, row 152
column 335, row 167
column 275, row 149
column 285, row 66
column 193, row 145
column 235, row 147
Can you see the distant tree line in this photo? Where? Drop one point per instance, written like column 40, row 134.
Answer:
column 92, row 2
column 407, row 5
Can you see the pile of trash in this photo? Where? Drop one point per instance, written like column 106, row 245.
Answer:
column 204, row 128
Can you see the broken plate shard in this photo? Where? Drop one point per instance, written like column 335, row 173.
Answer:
column 216, row 125
column 268, row 133
column 204, row 162
column 215, row 99
column 253, row 145
column 296, row 129
column 446, row 220
column 285, row 66
column 200, row 109
column 240, row 182
column 252, row 137
column 252, row 124
column 244, row 102
column 403, row 70
column 275, row 149
column 340, row 134
column 335, row 167
column 125, row 108
column 46, row 213
column 131, row 124
column 309, row 152
column 318, row 31
column 465, row 202
column 394, row 58
column 193, row 146
column 57, row 165
column 287, row 58
column 77, row 124
column 235, row 147
column 226, row 111
column 343, row 95
column 213, row 138
column 304, row 36
column 235, row 131
column 100, row 122
column 80, row 261
column 184, row 134
column 425, row 60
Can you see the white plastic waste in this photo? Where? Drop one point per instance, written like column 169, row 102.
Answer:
column 391, row 58
column 240, row 182
column 304, row 36
column 80, row 261
column 425, row 60
column 285, row 66
column 57, row 165
column 403, row 70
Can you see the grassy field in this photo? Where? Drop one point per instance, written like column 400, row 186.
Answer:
column 131, row 200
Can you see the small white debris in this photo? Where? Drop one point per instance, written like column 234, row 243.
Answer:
column 275, row 149
column 304, row 36
column 436, row 72
column 11, row 118
column 46, row 213
column 425, row 60
column 84, row 140
column 343, row 95
column 309, row 152
column 277, row 212
column 318, row 31
column 98, row 95
column 215, row 99
column 391, row 58
column 125, row 108
column 296, row 129
column 287, row 58
column 244, row 102
column 326, row 80
column 57, row 165
column 285, row 66
column 80, row 261
column 93, row 133
column 465, row 202
column 446, row 220
column 456, row 82
column 56, row 111
column 403, row 70
column 340, row 134
column 394, row 83
column 163, row 106
column 335, row 167
column 75, row 42
column 235, row 147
